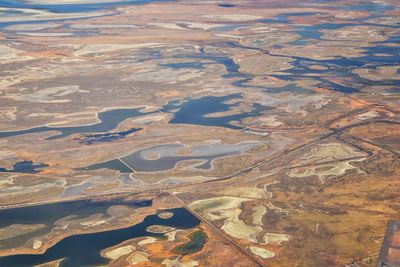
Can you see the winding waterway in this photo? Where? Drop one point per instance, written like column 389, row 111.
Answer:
column 186, row 111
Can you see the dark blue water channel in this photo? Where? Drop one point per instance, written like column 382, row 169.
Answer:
column 26, row 166
column 48, row 214
column 187, row 111
column 84, row 249
column 231, row 67
column 109, row 120
column 226, row 5
column 114, row 164
column 300, row 69
column 89, row 139
column 239, row 79
column 340, row 66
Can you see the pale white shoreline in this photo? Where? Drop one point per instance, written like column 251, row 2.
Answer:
column 66, row 2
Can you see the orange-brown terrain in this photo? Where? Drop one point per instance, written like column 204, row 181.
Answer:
column 199, row 133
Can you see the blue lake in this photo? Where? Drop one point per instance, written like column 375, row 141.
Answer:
column 84, row 249
column 114, row 164
column 195, row 111
column 26, row 166
column 48, row 214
